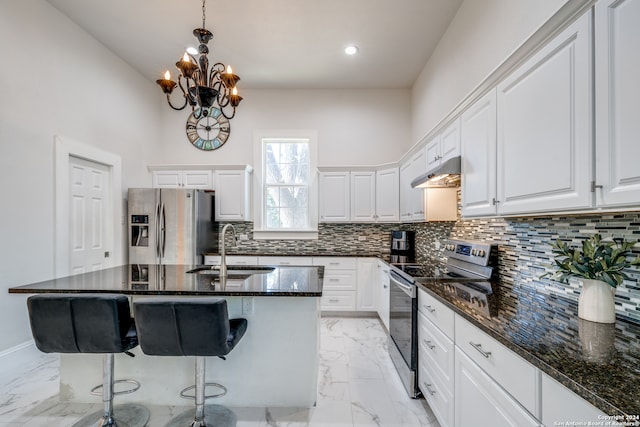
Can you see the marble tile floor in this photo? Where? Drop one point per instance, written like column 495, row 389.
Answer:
column 358, row 386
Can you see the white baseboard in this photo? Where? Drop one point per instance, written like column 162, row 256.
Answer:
column 17, row 357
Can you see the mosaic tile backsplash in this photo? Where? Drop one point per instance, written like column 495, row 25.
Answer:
column 524, row 247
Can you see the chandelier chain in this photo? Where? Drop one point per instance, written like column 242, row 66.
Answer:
column 203, row 12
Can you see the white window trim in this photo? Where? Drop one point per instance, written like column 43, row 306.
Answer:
column 259, row 231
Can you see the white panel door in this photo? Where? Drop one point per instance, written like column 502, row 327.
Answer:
column 334, row 196
column 478, row 147
column 388, row 195
column 617, row 95
column 232, row 195
column 432, row 151
column 545, row 127
column 88, row 212
column 418, row 167
column 363, row 196
column 405, row 191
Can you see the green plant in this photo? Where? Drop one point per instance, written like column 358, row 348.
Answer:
column 597, row 259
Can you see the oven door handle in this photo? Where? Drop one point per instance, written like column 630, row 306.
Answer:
column 400, row 282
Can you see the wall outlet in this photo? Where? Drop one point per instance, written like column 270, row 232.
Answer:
column 243, row 237
column 362, row 238
column 247, row 305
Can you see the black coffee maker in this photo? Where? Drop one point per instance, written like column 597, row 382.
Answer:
column 403, row 246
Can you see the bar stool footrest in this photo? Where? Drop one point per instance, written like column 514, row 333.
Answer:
column 136, row 385
column 184, row 395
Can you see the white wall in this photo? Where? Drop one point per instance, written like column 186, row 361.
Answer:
column 355, row 127
column 480, row 37
column 56, row 80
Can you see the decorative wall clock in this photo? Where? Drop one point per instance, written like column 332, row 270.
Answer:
column 207, row 128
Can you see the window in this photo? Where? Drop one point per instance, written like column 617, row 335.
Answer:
column 286, row 172
column 286, row 183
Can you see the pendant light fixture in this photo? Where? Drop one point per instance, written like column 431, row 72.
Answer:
column 203, row 87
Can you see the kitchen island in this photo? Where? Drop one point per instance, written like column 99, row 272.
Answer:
column 275, row 363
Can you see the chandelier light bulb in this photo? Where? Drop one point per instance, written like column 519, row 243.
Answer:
column 185, row 58
column 229, row 70
column 234, row 91
column 167, row 75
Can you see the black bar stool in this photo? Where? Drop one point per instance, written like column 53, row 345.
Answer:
column 198, row 327
column 90, row 323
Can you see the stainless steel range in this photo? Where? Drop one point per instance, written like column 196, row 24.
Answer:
column 465, row 276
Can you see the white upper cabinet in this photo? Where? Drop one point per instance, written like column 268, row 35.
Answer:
column 432, row 152
column 443, row 146
column 478, row 147
column 363, row 196
column 183, row 179
column 359, row 196
column 412, row 199
column 545, row 128
column 617, row 94
column 334, row 196
column 233, row 195
column 388, row 195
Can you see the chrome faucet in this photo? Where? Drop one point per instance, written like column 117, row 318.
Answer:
column 223, row 249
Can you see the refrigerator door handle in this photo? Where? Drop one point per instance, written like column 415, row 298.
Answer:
column 163, row 231
column 157, row 229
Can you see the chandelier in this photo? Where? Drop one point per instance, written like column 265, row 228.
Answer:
column 203, row 86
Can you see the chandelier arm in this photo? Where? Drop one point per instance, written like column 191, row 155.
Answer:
column 227, row 116
column 174, row 107
column 216, row 70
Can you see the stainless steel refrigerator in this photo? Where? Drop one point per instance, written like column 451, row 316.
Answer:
column 171, row 226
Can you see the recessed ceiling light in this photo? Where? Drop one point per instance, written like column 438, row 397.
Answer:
column 192, row 50
column 351, row 50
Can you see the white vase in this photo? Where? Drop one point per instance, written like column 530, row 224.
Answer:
column 596, row 302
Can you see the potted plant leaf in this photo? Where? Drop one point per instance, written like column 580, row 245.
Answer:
column 600, row 265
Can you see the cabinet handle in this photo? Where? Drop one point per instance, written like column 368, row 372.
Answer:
column 284, row 263
column 429, row 308
column 479, row 348
column 334, row 263
column 428, row 344
column 594, row 186
column 334, row 280
column 429, row 389
column 334, row 300
column 385, row 286
column 494, row 201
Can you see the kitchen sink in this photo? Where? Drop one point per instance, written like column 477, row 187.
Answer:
column 235, row 271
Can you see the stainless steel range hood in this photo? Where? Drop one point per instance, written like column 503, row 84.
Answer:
column 445, row 175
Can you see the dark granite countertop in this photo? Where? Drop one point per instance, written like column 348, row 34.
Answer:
column 152, row 279
column 599, row 362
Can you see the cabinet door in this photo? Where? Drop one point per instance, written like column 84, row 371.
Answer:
column 432, row 152
column 545, row 128
column 478, row 147
column 479, row 401
column 617, row 94
column 334, row 196
column 405, row 192
column 387, row 195
column 167, row 179
column 232, row 195
column 197, row 179
column 450, row 141
column 560, row 404
column 366, row 288
column 418, row 167
column 363, row 196
column 384, row 295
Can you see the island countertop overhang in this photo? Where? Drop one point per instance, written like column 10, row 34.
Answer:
column 165, row 279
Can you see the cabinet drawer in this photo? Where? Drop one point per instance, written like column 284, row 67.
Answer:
column 338, row 301
column 435, row 351
column 231, row 260
column 439, row 397
column 339, row 280
column 284, row 261
column 337, row 263
column 517, row 376
column 437, row 312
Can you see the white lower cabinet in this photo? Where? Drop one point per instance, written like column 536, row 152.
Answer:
column 480, row 401
column 284, row 260
column 435, row 357
column 366, row 274
column 339, row 290
column 384, row 293
column 559, row 404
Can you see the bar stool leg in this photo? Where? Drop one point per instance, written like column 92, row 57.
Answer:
column 200, row 386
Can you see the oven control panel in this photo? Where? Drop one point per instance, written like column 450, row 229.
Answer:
column 473, row 295
column 470, row 251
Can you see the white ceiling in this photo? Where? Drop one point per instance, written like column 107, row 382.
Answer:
column 292, row 44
